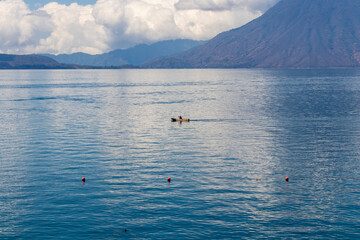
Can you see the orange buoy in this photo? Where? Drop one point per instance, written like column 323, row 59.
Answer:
column 83, row 179
column 169, row 180
column 287, row 179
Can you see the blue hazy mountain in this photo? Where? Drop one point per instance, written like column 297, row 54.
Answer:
column 9, row 61
column 133, row 56
column 293, row 33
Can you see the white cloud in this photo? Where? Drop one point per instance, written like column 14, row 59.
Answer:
column 136, row 21
column 111, row 24
column 75, row 30
column 19, row 26
column 222, row 5
column 207, row 5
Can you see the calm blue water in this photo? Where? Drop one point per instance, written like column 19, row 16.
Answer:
column 250, row 130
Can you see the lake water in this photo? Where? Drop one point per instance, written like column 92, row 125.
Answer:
column 249, row 130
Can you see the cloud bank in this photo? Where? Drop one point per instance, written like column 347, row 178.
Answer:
column 112, row 24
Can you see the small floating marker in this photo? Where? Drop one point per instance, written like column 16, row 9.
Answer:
column 83, row 179
column 287, row 179
column 169, row 180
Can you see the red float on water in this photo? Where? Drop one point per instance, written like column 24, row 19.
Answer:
column 287, row 179
column 169, row 179
column 83, row 179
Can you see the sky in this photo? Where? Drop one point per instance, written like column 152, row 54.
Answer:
column 98, row 26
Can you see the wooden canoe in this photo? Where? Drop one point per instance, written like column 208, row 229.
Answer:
column 180, row 120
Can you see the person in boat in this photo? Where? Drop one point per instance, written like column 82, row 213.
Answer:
column 180, row 117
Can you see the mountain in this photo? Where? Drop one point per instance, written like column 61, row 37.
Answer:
column 8, row 61
column 88, row 59
column 134, row 56
column 293, row 33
